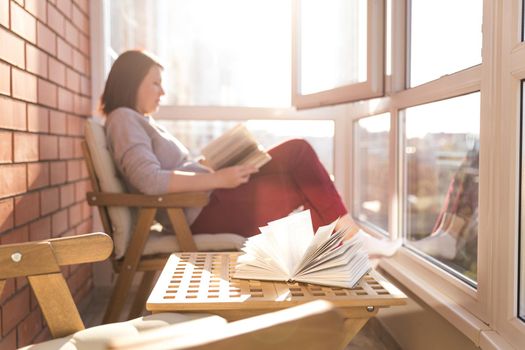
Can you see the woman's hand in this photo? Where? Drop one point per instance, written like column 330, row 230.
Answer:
column 233, row 176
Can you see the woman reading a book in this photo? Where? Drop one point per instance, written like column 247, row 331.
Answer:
column 242, row 197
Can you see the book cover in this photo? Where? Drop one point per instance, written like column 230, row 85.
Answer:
column 288, row 250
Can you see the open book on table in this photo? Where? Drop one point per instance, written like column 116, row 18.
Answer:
column 235, row 147
column 287, row 250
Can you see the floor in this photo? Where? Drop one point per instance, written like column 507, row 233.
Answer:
column 372, row 337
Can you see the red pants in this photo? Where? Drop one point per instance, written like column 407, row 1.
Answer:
column 293, row 177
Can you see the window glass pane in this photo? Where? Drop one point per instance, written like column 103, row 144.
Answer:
column 333, row 44
column 195, row 134
column 441, row 182
column 371, row 170
column 445, row 37
column 214, row 53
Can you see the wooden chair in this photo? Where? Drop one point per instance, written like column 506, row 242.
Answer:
column 138, row 249
column 316, row 325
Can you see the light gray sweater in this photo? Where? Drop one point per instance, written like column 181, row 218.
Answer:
column 146, row 154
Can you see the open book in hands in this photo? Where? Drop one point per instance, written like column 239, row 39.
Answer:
column 236, row 146
column 287, row 250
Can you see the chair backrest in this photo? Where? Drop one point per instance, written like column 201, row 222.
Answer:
column 41, row 262
column 315, row 325
column 104, row 176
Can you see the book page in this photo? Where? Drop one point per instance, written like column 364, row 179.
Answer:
column 293, row 234
column 288, row 250
column 235, row 146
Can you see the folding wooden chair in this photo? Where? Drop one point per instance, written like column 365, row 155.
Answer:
column 137, row 248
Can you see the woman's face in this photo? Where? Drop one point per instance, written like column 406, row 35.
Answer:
column 149, row 92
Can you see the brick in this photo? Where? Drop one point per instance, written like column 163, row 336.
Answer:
column 65, row 146
column 48, row 145
column 67, row 195
column 75, row 125
column 75, row 214
column 65, row 7
column 77, row 151
column 29, row 328
column 83, row 44
column 57, row 122
column 4, row 13
column 47, row 93
column 36, row 61
column 6, row 214
column 19, row 235
column 64, row 52
column 6, row 147
column 80, row 191
column 57, row 71
column 22, row 23
column 37, row 175
column 24, row 85
column 43, row 336
column 50, row 200
column 59, row 223
column 12, row 48
column 85, row 226
column 46, row 39
column 40, row 229
column 72, row 35
column 25, row 147
column 37, row 8
column 65, row 100
column 58, row 173
column 83, row 6
column 13, row 179
column 73, row 170
column 37, row 118
column 15, row 310
column 55, row 20
column 8, row 342
column 80, row 20
column 5, row 78
column 72, row 80
column 27, row 208
column 12, row 114
column 79, row 61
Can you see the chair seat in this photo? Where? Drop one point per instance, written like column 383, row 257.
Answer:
column 96, row 338
column 159, row 243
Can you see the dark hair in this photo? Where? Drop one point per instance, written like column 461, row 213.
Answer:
column 124, row 80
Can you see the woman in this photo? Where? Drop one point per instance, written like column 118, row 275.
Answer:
column 152, row 161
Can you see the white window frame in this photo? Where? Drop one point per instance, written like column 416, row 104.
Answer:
column 372, row 87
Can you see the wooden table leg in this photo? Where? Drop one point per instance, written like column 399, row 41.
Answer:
column 352, row 327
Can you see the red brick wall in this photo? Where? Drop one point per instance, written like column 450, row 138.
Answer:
column 44, row 98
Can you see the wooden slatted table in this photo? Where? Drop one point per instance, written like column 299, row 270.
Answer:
column 201, row 282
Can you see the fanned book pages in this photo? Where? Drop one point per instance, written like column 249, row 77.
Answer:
column 288, row 250
column 235, row 147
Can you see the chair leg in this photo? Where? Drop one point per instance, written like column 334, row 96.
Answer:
column 146, row 284
column 118, row 296
column 129, row 265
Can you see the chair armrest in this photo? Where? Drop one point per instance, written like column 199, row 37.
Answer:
column 32, row 258
column 168, row 200
column 314, row 325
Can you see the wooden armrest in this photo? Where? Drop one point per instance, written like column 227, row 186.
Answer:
column 33, row 258
column 315, row 325
column 169, row 200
